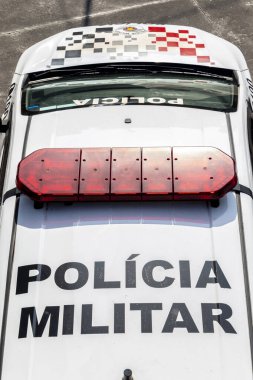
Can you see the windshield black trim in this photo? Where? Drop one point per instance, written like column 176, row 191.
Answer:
column 133, row 66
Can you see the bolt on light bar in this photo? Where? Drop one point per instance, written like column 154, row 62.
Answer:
column 165, row 173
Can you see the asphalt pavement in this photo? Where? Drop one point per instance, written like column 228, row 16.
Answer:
column 22, row 24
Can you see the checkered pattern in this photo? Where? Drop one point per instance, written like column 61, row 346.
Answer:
column 116, row 43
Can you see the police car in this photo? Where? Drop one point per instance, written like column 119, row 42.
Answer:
column 126, row 240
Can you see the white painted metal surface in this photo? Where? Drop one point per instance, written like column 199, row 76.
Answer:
column 188, row 236
column 167, row 40
column 112, row 233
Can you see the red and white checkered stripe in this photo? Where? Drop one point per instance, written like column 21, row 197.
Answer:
column 179, row 43
column 115, row 43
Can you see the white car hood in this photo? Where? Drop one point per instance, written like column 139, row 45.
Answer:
column 105, row 126
column 143, row 43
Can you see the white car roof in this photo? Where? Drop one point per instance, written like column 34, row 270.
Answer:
column 131, row 43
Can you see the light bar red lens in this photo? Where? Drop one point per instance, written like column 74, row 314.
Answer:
column 95, row 173
column 50, row 174
column 202, row 173
column 126, row 173
column 157, row 173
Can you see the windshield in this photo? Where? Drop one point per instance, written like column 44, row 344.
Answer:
column 178, row 89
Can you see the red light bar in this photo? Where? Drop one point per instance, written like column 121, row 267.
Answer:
column 50, row 174
column 95, row 173
column 202, row 173
column 126, row 173
column 157, row 173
